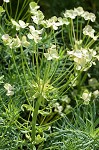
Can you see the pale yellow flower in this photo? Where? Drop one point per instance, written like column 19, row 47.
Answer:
column 19, row 25
column 16, row 42
column 24, row 41
column 6, row 39
column 86, row 96
column 89, row 16
column 83, row 58
column 63, row 21
column 38, row 17
column 9, row 89
column 88, row 30
column 15, row 24
column 58, row 108
column 93, row 83
column 52, row 53
column 34, row 34
column 79, row 11
column 96, row 93
column 23, row 24
column 52, row 22
column 70, row 14
column 33, row 7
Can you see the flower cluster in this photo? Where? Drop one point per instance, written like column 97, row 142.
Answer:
column 34, row 34
column 83, row 58
column 37, row 15
column 88, row 30
column 79, row 12
column 93, row 83
column 15, row 42
column 70, row 14
column 38, row 18
column 86, row 96
column 44, row 88
column 89, row 16
column 52, row 53
column 19, row 25
column 58, row 108
column 62, row 21
column 96, row 93
column 55, row 22
column 52, row 22
column 9, row 89
column 33, row 7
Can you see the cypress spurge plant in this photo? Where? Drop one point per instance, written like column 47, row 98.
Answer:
column 48, row 67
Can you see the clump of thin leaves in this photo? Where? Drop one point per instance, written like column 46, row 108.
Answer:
column 81, row 132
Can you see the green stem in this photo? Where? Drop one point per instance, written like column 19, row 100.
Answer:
column 62, row 33
column 16, row 12
column 80, row 36
column 14, row 61
column 35, row 113
column 7, row 12
column 77, row 29
column 73, row 31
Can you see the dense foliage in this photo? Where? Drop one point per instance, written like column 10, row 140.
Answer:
column 49, row 68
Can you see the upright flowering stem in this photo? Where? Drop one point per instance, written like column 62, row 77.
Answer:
column 72, row 24
column 80, row 34
column 77, row 29
column 16, row 14
column 6, row 8
column 70, row 35
column 35, row 113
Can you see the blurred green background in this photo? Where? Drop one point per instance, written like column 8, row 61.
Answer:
column 56, row 7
